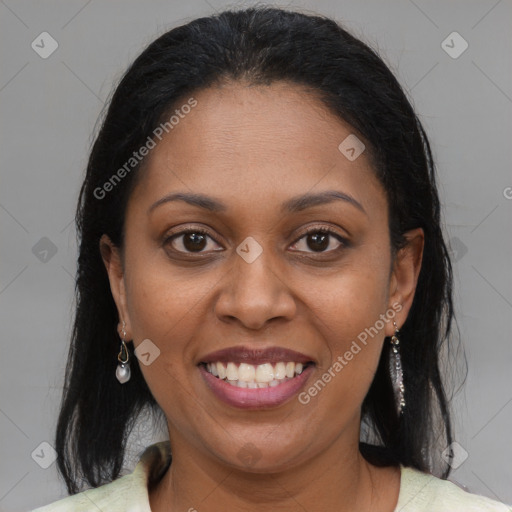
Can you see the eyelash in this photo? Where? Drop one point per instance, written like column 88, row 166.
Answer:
column 319, row 230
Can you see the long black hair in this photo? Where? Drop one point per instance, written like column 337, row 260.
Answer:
column 260, row 45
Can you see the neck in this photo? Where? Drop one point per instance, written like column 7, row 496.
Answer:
column 338, row 478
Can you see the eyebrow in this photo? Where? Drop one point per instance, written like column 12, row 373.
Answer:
column 295, row 204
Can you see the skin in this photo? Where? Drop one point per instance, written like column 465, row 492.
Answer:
column 254, row 147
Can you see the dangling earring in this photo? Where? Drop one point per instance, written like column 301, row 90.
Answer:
column 123, row 372
column 397, row 375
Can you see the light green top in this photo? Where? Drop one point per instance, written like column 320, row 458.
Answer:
column 419, row 492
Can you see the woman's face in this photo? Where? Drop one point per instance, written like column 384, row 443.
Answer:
column 256, row 285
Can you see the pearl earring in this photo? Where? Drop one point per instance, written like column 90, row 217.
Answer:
column 123, row 372
column 397, row 375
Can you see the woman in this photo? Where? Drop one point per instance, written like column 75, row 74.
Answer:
column 261, row 260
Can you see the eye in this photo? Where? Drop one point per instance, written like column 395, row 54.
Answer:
column 192, row 240
column 319, row 240
column 195, row 240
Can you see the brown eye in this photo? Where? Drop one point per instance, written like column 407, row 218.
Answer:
column 189, row 241
column 319, row 240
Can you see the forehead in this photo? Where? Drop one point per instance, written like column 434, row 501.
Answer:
column 262, row 141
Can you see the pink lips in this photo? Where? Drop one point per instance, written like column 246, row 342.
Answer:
column 257, row 398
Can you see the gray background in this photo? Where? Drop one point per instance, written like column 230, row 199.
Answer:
column 49, row 108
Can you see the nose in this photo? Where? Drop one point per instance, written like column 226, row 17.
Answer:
column 255, row 293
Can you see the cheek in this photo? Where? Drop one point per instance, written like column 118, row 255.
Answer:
column 165, row 310
column 351, row 314
column 162, row 302
column 351, row 300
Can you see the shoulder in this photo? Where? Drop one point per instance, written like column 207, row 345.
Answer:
column 120, row 495
column 422, row 492
column 128, row 493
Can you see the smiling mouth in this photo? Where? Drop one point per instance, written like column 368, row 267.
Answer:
column 244, row 375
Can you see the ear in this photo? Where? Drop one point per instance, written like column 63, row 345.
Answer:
column 404, row 277
column 111, row 256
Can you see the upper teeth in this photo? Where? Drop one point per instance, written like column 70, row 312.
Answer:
column 255, row 374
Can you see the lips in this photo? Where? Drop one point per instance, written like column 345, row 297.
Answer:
column 255, row 378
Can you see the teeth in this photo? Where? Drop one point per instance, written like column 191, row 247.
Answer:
column 246, row 372
column 264, row 373
column 232, row 372
column 280, row 371
column 221, row 370
column 255, row 376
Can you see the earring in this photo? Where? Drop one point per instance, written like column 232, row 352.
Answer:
column 123, row 372
column 397, row 375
